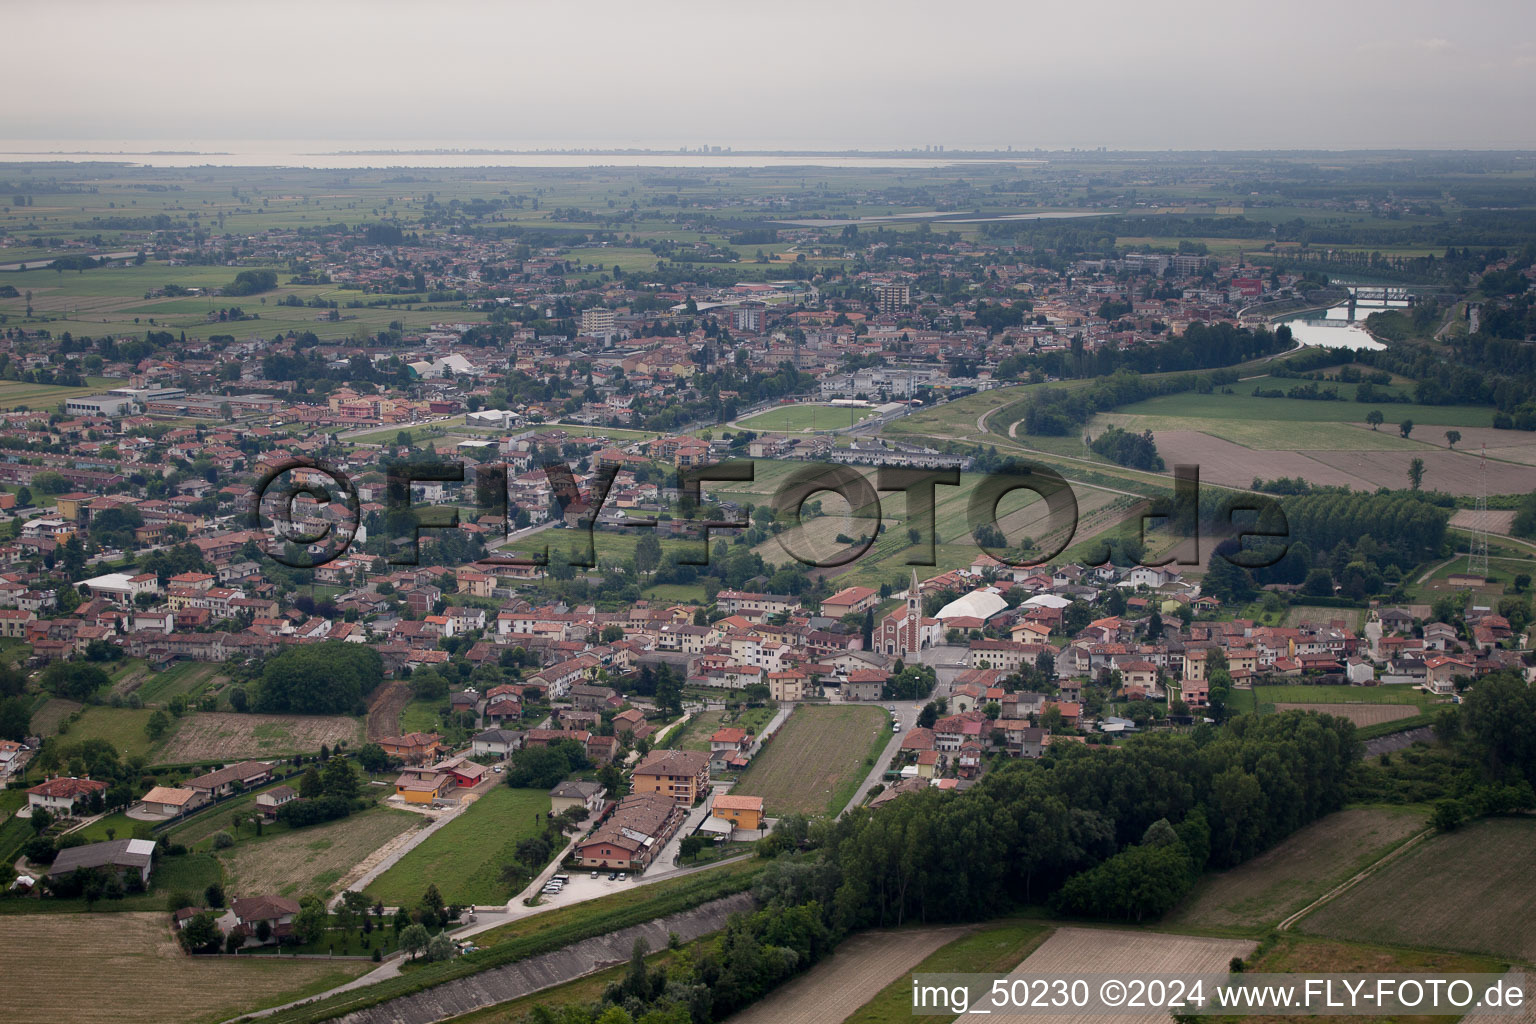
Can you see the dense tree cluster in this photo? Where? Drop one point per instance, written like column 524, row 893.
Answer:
column 1138, row 451
column 543, row 767
column 1027, row 828
column 330, row 678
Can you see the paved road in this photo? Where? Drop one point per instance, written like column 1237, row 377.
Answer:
column 947, row 662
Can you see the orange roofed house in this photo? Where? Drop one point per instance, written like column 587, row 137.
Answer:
column 681, row 774
column 849, row 601
column 741, row 811
column 413, row 747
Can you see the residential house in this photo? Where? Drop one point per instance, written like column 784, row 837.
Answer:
column 742, row 811
column 576, row 794
column 60, row 796
column 682, row 775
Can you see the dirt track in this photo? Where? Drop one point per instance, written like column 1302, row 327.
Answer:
column 384, row 709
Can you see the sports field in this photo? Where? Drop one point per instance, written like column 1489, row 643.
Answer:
column 1467, row 890
column 138, row 975
column 815, row 759
column 812, row 416
column 1283, row 880
column 464, row 858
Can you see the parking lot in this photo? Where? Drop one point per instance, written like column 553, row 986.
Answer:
column 583, row 886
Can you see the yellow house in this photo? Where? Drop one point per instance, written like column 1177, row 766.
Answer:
column 741, row 811
column 69, row 505
column 423, row 785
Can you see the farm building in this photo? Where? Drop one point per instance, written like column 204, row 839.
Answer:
column 119, row 855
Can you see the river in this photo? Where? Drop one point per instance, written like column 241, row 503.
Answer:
column 1334, row 329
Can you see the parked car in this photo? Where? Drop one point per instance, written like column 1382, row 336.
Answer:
column 594, row 874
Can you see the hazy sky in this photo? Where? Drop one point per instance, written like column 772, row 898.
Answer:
column 1179, row 74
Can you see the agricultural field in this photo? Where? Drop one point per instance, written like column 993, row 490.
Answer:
column 1361, row 714
column 995, row 948
column 1455, row 472
column 15, row 394
column 1074, row 952
column 1242, row 407
column 1353, row 618
column 812, row 758
column 1491, row 520
column 809, row 417
column 857, row 972
column 138, row 975
column 183, row 679
column 311, row 860
column 464, row 858
column 1267, row 889
column 1467, row 890
column 219, row 735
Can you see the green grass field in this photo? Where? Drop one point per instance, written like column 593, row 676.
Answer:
column 1467, row 890
column 816, row 759
column 1283, row 880
column 812, row 416
column 464, row 858
column 121, row 727
column 1344, row 695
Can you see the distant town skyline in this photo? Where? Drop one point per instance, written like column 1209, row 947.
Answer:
column 1188, row 75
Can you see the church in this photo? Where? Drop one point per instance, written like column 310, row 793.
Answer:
column 906, row 630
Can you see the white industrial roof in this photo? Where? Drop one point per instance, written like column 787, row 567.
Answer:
column 978, row 604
